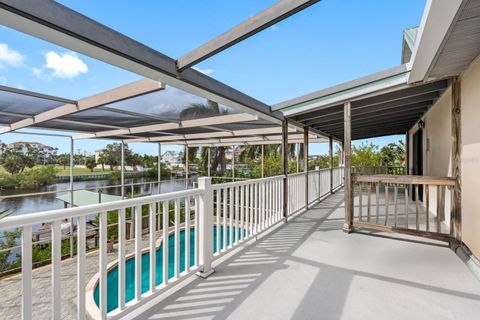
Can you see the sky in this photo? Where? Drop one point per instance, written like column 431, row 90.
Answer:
column 330, row 42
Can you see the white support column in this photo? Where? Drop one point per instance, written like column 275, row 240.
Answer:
column 233, row 163
column 330, row 156
column 186, row 167
column 263, row 162
column 71, row 194
column 205, row 227
column 122, row 169
column 159, row 166
column 209, row 163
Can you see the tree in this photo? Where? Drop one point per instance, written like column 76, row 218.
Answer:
column 90, row 163
column 8, row 241
column 102, row 160
column 210, row 109
column 15, row 162
column 393, row 154
column 365, row 155
column 63, row 159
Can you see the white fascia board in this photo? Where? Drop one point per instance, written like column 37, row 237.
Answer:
column 437, row 20
column 349, row 95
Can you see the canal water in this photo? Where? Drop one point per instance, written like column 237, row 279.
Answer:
column 44, row 202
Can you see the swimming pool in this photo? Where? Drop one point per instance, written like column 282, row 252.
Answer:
column 112, row 276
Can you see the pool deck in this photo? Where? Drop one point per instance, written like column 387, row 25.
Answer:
column 310, row 269
column 306, row 269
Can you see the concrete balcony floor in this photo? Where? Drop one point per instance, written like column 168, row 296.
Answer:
column 310, row 269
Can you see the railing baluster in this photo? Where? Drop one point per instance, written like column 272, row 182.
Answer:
column 395, row 195
column 369, row 201
column 417, row 209
column 237, row 208
column 152, row 249
column 138, row 253
column 197, row 233
column 248, row 201
column 56, row 269
column 257, row 206
column 242, row 211
column 27, row 272
column 219, row 202
column 225, row 196
column 427, row 207
column 360, row 204
column 121, row 258
column 103, row 264
column 439, row 229
column 386, row 203
column 177, row 239
column 406, row 206
column 187, row 234
column 377, row 201
column 232, row 191
column 165, row 207
column 81, row 234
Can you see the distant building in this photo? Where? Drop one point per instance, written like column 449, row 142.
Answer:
column 42, row 152
column 173, row 159
column 84, row 153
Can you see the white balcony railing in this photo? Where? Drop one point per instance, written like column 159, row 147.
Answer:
column 199, row 225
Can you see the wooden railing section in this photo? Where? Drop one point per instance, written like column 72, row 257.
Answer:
column 401, row 203
column 369, row 170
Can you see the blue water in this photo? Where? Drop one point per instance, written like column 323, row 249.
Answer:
column 112, row 277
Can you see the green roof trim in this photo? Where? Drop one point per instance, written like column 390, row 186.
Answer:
column 85, row 197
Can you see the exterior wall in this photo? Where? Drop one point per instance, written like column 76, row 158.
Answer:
column 437, row 152
column 437, row 147
column 470, row 125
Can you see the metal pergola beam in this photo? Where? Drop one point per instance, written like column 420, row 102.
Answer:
column 423, row 106
column 268, row 17
column 58, row 24
column 376, row 121
column 230, row 118
column 401, row 103
column 127, row 91
column 219, row 134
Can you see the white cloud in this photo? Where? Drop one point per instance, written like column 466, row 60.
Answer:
column 63, row 65
column 204, row 71
column 10, row 57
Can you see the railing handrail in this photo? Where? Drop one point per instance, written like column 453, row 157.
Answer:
column 404, row 179
column 66, row 213
column 244, row 182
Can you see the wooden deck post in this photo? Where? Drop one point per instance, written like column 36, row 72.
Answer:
column 330, row 155
column 347, row 226
column 305, row 160
column 407, row 153
column 456, row 220
column 285, row 167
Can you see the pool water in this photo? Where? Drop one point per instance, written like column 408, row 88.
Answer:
column 112, row 276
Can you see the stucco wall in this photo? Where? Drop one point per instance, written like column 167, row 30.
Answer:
column 437, row 146
column 470, row 168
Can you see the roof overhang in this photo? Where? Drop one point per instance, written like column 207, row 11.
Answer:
column 448, row 39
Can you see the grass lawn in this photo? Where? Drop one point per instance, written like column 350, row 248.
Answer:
column 76, row 170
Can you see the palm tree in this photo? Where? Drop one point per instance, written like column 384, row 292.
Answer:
column 199, row 110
